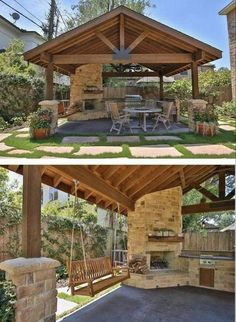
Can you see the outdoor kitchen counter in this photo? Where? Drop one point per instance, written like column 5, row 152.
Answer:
column 208, row 257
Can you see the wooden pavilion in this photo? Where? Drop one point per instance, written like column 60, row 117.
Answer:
column 123, row 36
column 115, row 187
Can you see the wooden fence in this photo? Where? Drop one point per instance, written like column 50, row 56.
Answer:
column 212, row 241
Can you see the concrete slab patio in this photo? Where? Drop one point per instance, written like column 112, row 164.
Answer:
column 177, row 304
column 154, row 151
column 80, row 139
column 96, row 150
column 211, row 149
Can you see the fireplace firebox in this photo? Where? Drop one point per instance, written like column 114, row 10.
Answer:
column 162, row 260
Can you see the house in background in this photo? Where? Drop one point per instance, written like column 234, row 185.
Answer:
column 51, row 194
column 230, row 12
column 9, row 31
column 187, row 73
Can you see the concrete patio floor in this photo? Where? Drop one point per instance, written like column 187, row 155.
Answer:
column 104, row 125
column 177, row 304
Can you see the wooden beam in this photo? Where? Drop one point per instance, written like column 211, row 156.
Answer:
column 182, row 178
column 94, row 183
column 106, row 41
column 133, row 58
column 199, row 55
column 205, row 192
column 161, row 86
column 230, row 195
column 122, row 32
column 130, row 74
column 138, row 40
column 209, row 207
column 222, row 185
column 31, row 222
column 195, row 85
column 49, row 81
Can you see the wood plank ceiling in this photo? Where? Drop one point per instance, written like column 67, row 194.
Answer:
column 120, row 186
column 123, row 36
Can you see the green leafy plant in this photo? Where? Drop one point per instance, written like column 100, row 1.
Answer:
column 40, row 119
column 17, row 121
column 61, row 273
column 3, row 124
column 7, row 301
column 227, row 109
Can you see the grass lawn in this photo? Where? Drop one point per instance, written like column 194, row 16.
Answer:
column 226, row 138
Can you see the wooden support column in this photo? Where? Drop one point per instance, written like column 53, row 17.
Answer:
column 161, row 87
column 31, row 223
column 49, row 81
column 222, row 185
column 195, row 84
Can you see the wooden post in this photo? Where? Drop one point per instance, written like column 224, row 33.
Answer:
column 161, row 87
column 49, row 81
column 222, row 185
column 195, row 85
column 31, row 223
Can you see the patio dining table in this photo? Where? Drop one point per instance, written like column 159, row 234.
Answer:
column 144, row 112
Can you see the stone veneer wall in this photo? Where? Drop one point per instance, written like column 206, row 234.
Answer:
column 35, row 281
column 231, row 18
column 195, row 105
column 86, row 75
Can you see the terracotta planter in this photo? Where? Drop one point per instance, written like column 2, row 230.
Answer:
column 206, row 129
column 40, row 134
column 200, row 128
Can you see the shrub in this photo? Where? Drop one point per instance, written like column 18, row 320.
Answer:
column 227, row 109
column 61, row 272
column 17, row 121
column 7, row 301
column 19, row 95
column 3, row 124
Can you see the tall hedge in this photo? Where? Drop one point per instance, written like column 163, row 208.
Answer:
column 19, row 94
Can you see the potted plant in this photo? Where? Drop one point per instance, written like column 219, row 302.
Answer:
column 206, row 123
column 40, row 123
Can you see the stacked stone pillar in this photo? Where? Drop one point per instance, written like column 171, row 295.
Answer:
column 35, row 281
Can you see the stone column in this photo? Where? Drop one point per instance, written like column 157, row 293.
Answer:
column 231, row 17
column 195, row 106
column 35, row 281
column 53, row 106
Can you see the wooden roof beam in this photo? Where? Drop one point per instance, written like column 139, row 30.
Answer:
column 94, row 183
column 209, row 207
column 107, row 41
column 133, row 58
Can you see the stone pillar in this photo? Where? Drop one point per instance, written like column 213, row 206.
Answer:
column 195, row 106
column 35, row 281
column 53, row 106
column 231, row 17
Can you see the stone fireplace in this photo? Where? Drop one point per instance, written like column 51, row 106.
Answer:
column 155, row 232
column 86, row 91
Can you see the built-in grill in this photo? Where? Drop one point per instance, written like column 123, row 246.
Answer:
column 207, row 261
column 133, row 100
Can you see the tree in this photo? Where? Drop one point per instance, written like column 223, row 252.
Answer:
column 12, row 61
column 86, row 10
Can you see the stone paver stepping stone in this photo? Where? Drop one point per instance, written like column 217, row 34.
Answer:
column 18, row 151
column 162, row 138
column 64, row 306
column 23, row 135
column 217, row 149
column 3, row 136
column 227, row 127
column 80, row 139
column 122, row 138
column 25, row 129
column 95, row 150
column 55, row 149
column 4, row 147
column 154, row 151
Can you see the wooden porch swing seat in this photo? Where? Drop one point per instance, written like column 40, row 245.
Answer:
column 95, row 275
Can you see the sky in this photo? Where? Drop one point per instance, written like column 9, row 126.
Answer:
column 197, row 18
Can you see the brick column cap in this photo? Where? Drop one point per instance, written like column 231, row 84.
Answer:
column 49, row 102
column 23, row 265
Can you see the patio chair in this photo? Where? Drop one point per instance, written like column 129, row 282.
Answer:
column 150, row 103
column 164, row 117
column 118, row 121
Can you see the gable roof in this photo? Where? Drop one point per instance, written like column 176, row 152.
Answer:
column 102, row 36
column 227, row 9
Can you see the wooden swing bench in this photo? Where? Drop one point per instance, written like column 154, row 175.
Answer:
column 94, row 276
